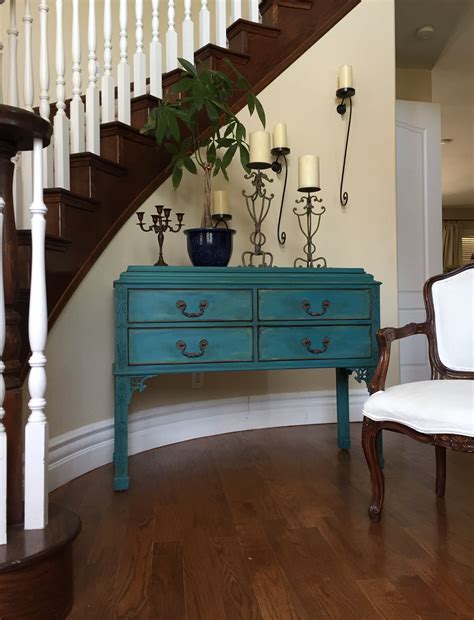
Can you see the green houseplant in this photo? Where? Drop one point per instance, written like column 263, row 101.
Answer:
column 201, row 100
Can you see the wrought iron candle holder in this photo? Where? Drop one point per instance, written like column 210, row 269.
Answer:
column 220, row 220
column 161, row 224
column 258, row 205
column 343, row 94
column 309, row 228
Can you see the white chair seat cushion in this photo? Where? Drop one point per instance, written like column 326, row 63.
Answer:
column 445, row 406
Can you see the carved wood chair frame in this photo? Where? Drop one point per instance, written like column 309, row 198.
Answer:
column 371, row 428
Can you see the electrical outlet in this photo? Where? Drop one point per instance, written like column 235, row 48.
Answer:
column 197, row 380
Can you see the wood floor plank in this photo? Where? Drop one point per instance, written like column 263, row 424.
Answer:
column 166, row 583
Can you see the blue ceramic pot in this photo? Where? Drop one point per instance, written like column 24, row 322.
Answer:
column 209, row 247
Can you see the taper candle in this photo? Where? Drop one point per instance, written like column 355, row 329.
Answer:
column 308, row 173
column 220, row 203
column 280, row 138
column 260, row 149
column 345, row 76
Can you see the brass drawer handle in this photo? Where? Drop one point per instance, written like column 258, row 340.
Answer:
column 306, row 342
column 181, row 305
column 306, row 305
column 181, row 345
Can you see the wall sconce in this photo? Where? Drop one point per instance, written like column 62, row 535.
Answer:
column 345, row 91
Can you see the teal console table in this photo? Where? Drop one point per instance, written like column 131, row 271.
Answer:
column 185, row 319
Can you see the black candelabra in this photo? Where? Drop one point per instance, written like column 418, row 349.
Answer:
column 309, row 228
column 161, row 223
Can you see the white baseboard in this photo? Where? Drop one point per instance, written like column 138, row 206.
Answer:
column 84, row 449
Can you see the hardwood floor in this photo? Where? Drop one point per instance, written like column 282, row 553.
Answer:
column 273, row 525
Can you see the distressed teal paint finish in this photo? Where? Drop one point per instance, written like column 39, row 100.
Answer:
column 299, row 305
column 183, row 319
column 148, row 306
column 161, row 345
column 314, row 343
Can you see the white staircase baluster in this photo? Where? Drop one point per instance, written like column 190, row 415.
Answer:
column 204, row 24
column 92, row 92
column 36, row 431
column 77, row 105
column 123, row 69
column 28, row 98
column 1, row 72
column 236, row 10
column 13, row 100
column 61, row 121
column 171, row 39
column 44, row 107
column 221, row 35
column 156, row 88
column 3, row 435
column 108, row 94
column 139, row 58
column 28, row 88
column 13, row 57
column 254, row 14
column 188, row 33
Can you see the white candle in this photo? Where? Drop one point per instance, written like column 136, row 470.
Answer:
column 220, row 203
column 280, row 138
column 308, row 173
column 345, row 76
column 260, row 149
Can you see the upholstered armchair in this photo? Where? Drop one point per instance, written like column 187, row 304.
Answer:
column 440, row 411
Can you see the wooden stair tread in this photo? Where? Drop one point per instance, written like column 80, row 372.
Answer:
column 53, row 243
column 265, row 5
column 253, row 27
column 98, row 162
column 55, row 195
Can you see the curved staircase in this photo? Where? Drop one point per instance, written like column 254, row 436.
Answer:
column 107, row 189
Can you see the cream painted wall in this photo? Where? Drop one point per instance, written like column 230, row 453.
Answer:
column 80, row 347
column 413, row 84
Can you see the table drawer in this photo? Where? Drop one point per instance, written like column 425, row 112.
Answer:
column 172, row 305
column 313, row 304
column 194, row 345
column 311, row 343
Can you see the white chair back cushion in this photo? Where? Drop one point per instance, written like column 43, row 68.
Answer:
column 453, row 300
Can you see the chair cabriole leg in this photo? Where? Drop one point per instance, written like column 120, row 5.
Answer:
column 440, row 452
column 370, row 431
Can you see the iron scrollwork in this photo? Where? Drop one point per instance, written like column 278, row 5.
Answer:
column 306, row 342
column 181, row 345
column 306, row 305
column 181, row 305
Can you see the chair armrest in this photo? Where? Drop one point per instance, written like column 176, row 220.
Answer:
column 385, row 337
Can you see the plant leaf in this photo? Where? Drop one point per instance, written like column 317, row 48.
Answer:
column 229, row 156
column 188, row 66
column 189, row 165
column 177, row 176
column 251, row 103
column 244, row 156
column 211, row 153
column 173, row 126
column 260, row 111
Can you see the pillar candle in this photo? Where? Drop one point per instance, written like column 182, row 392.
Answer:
column 345, row 76
column 220, row 203
column 280, row 138
column 308, row 172
column 260, row 150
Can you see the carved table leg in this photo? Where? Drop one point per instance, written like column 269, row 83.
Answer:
column 122, row 400
column 440, row 452
column 370, row 431
column 342, row 391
